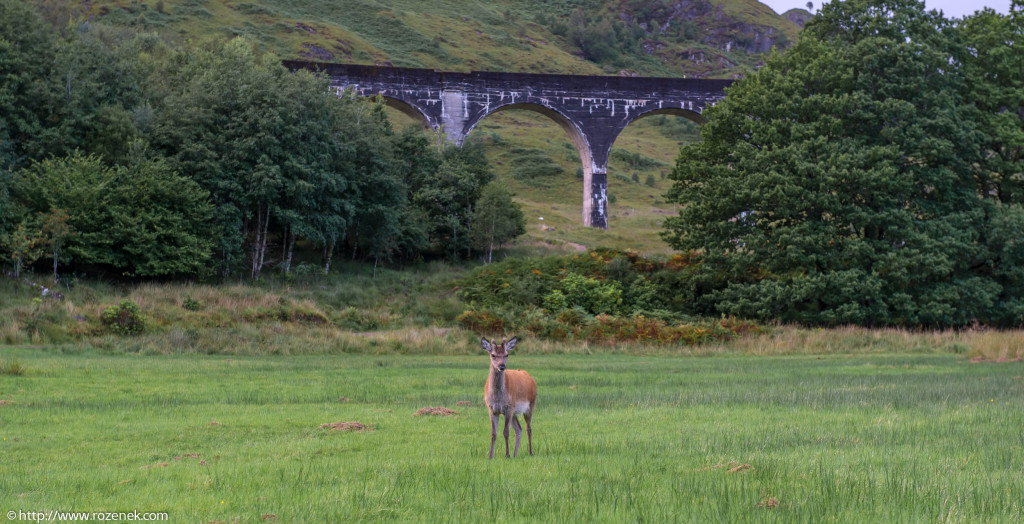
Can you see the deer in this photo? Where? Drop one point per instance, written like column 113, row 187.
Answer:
column 510, row 393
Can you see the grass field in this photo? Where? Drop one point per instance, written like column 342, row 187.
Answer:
column 842, row 438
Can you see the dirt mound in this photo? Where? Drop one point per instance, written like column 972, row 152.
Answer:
column 741, row 467
column 346, row 426
column 439, row 411
column 769, row 503
column 463, row 403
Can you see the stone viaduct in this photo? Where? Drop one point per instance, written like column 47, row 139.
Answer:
column 592, row 110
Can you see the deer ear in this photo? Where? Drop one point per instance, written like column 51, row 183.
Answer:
column 486, row 345
column 511, row 344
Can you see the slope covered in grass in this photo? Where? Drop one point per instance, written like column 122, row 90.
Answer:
column 654, row 38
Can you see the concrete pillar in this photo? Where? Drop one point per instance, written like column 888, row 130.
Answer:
column 454, row 114
column 595, row 196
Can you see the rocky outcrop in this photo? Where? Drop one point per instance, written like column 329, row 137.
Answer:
column 798, row 16
column 711, row 25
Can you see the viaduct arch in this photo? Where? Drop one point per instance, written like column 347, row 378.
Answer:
column 593, row 110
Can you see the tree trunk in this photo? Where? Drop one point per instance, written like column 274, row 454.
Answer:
column 263, row 247
column 328, row 254
column 55, row 252
column 17, row 274
column 291, row 250
column 260, row 243
column 254, row 256
column 284, row 251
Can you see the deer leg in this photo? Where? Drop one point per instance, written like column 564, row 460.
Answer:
column 494, row 433
column 519, row 433
column 528, row 417
column 507, row 417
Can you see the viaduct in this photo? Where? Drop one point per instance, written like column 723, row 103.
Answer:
column 593, row 110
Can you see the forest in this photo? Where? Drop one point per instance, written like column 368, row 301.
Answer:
column 124, row 155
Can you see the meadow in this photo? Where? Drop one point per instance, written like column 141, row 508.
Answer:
column 848, row 437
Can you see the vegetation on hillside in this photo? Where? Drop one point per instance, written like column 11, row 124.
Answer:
column 650, row 37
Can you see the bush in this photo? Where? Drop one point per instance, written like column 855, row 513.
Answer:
column 532, row 164
column 191, row 304
column 124, row 319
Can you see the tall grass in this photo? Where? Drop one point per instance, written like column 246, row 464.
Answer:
column 845, row 438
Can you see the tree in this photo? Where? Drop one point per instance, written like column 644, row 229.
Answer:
column 497, row 219
column 995, row 73
column 140, row 220
column 835, row 185
column 56, row 229
column 447, row 197
column 24, row 244
column 281, row 155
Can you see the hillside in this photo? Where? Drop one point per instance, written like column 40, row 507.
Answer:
column 646, row 37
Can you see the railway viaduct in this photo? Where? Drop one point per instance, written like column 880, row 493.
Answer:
column 592, row 110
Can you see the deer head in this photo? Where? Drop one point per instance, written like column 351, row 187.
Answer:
column 499, row 352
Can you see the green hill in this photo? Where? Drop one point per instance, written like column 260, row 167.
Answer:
column 694, row 38
column 646, row 37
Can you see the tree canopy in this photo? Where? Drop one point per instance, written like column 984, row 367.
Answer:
column 851, row 180
column 206, row 159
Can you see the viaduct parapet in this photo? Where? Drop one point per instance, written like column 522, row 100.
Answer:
column 592, row 110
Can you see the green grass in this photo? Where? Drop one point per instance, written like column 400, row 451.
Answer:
column 500, row 35
column 843, row 438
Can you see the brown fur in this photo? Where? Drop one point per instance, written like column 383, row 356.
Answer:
column 504, row 389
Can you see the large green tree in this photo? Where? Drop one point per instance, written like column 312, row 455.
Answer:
column 141, row 219
column 838, row 183
column 995, row 78
column 266, row 144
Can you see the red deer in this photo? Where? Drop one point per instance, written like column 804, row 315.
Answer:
column 509, row 393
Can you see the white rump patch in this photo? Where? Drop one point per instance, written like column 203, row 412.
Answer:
column 521, row 407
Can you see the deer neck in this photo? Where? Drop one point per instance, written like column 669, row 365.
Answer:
column 496, row 386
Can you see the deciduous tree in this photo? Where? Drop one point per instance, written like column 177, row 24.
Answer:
column 837, row 184
column 497, row 219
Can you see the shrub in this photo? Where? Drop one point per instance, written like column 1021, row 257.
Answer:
column 191, row 304
column 532, row 164
column 124, row 319
column 482, row 322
